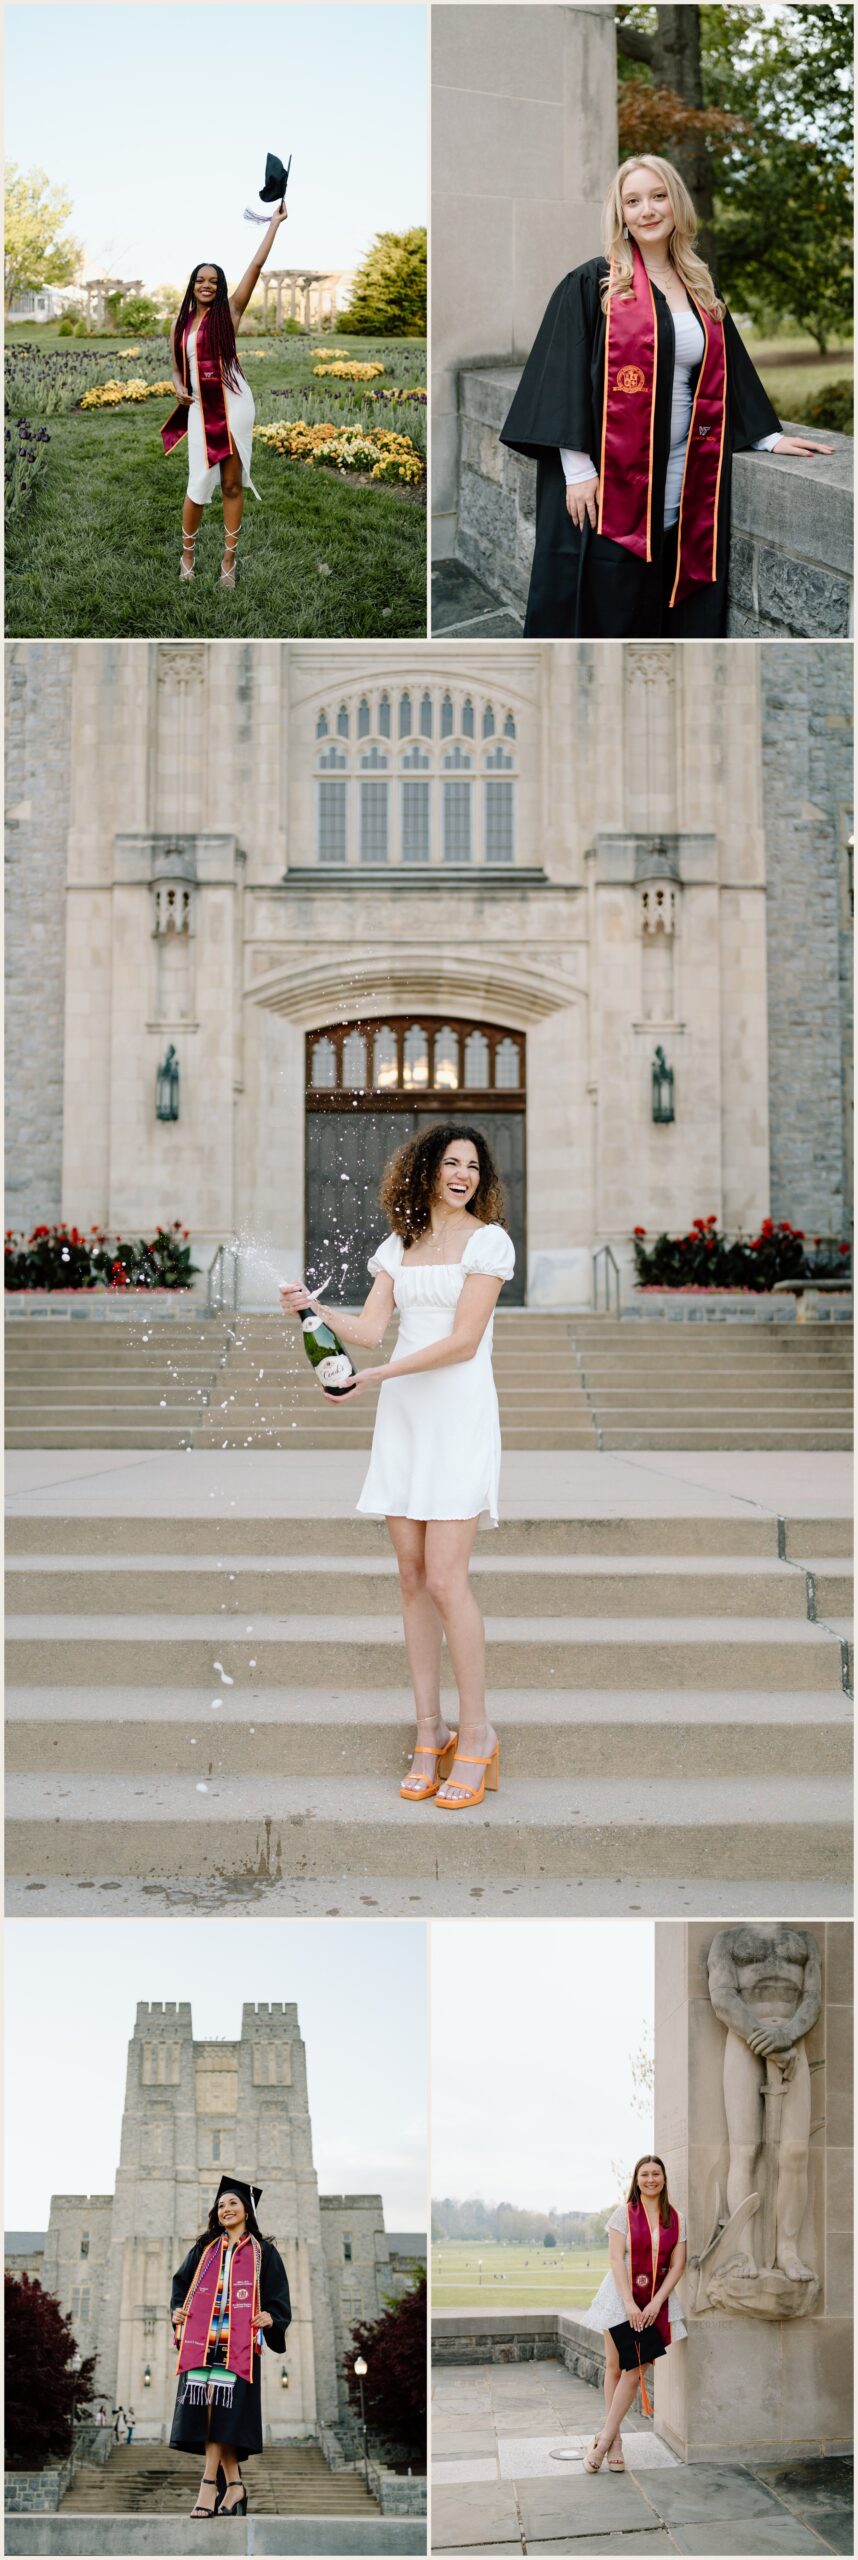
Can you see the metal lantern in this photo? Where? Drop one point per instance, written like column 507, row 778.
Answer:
column 147, row 2377
column 284, row 2379
column 662, row 1090
column 167, row 1087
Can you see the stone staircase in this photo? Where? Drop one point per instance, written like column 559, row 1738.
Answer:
column 687, row 1385
column 564, row 1382
column 216, row 1711
column 283, row 2480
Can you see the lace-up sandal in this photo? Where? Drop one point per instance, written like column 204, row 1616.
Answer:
column 474, row 1795
column 417, row 1793
column 227, row 579
column 616, row 2457
column 207, row 2512
column 186, row 564
column 593, row 2459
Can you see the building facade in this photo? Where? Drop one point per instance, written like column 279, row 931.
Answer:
column 192, row 2111
column 358, row 890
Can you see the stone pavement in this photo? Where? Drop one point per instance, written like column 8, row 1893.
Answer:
column 464, row 608
column 497, row 2487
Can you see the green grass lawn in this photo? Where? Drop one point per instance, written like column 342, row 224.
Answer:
column 323, row 557
column 490, row 2277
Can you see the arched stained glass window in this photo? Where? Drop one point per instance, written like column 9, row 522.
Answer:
column 509, row 726
column 384, row 716
column 426, row 716
column 467, row 719
column 445, row 1076
column 457, row 820
column 488, row 721
column 342, row 721
column 332, row 759
column 457, row 761
column 322, row 725
column 507, row 1065
column 405, row 715
column 323, row 1073
column 354, row 1059
column 446, row 717
column 415, row 1056
column 385, row 1066
column 363, row 717
column 477, row 1060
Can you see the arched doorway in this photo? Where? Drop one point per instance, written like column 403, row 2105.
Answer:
column 369, row 1085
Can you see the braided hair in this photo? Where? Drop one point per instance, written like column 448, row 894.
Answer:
column 220, row 325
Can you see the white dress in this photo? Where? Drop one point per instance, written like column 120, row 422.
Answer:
column 204, row 476
column 436, row 1444
column 608, row 2308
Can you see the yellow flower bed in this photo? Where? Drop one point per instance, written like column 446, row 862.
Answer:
column 110, row 395
column 345, row 369
column 383, row 455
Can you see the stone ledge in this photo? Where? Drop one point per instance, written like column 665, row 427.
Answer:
column 518, row 2337
column 791, row 532
column 169, row 2538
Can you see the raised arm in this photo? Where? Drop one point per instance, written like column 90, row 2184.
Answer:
column 368, row 1328
column 239, row 300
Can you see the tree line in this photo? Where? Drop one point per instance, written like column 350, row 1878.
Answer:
column 475, row 2220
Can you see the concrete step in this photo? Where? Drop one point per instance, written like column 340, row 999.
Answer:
column 531, row 1587
column 313, row 1734
column 150, row 2479
column 742, row 1533
column 710, row 1653
column 243, row 1834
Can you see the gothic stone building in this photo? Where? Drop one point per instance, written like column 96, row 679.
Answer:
column 355, row 888
column 193, row 2110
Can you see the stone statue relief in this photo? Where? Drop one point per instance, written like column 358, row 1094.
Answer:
column 765, row 1987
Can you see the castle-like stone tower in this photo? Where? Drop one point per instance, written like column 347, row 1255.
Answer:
column 192, row 2111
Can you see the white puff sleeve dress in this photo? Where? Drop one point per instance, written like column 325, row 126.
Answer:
column 608, row 2309
column 436, row 1446
column 204, row 476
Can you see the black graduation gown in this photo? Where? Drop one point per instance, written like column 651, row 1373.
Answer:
column 582, row 586
column 241, row 2425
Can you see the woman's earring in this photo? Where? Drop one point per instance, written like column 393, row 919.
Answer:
column 625, row 230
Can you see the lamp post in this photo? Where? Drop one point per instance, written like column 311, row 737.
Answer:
column 662, row 1090
column 147, row 2377
column 360, row 2369
column 167, row 1087
column 284, row 2378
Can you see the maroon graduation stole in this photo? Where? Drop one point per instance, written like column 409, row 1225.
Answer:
column 239, row 2338
column 218, row 441
column 628, row 425
column 649, row 2260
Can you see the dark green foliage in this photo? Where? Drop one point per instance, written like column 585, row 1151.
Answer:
column 833, row 407
column 389, row 293
column 395, row 2384
column 63, row 1258
column 41, row 2393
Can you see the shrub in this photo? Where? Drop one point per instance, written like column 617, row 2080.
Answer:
column 25, row 462
column 42, row 2392
column 62, row 1257
column 376, row 451
column 707, row 1259
column 395, row 2385
column 832, row 407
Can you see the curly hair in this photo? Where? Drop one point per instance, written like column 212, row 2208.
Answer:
column 634, row 2195
column 408, row 1182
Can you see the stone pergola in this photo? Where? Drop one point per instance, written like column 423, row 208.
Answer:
column 97, row 288
column 308, row 295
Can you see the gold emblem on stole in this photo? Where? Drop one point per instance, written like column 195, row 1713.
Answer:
column 630, row 378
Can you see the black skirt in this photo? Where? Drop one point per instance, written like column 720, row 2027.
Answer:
column 637, row 2346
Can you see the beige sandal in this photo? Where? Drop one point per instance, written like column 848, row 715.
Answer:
column 616, row 2458
column 186, row 567
column 589, row 2464
column 227, row 574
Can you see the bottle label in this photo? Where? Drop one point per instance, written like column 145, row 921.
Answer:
column 334, row 1371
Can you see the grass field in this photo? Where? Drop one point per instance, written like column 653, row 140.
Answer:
column 323, row 557
column 794, row 372
column 514, row 2279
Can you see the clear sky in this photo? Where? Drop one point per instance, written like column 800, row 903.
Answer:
column 156, row 121
column 533, row 2027
column 72, row 1988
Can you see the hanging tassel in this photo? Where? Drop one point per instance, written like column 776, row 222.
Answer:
column 646, row 2402
column 263, row 218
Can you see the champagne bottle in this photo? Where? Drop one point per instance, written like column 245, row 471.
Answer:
column 325, row 1353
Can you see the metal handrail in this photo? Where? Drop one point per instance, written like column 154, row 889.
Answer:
column 216, row 1292
column 605, row 1253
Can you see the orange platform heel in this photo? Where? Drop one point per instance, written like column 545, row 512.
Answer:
column 426, row 1751
column 490, row 1778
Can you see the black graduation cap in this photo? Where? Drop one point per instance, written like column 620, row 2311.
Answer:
column 239, row 2187
column 276, row 179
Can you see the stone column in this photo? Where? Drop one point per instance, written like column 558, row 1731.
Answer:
column 764, row 2373
column 524, row 145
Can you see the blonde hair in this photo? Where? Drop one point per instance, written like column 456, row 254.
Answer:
column 619, row 251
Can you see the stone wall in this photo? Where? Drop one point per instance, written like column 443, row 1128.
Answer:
column 791, row 529
column 524, row 145
column 38, row 758
column 741, row 2387
column 36, row 2493
column 518, row 2337
column 806, row 719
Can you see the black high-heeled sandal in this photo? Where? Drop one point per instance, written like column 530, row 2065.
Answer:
column 198, row 2513
column 241, row 2509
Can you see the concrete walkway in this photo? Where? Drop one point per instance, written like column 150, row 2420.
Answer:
column 324, row 1484
column 498, row 2487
